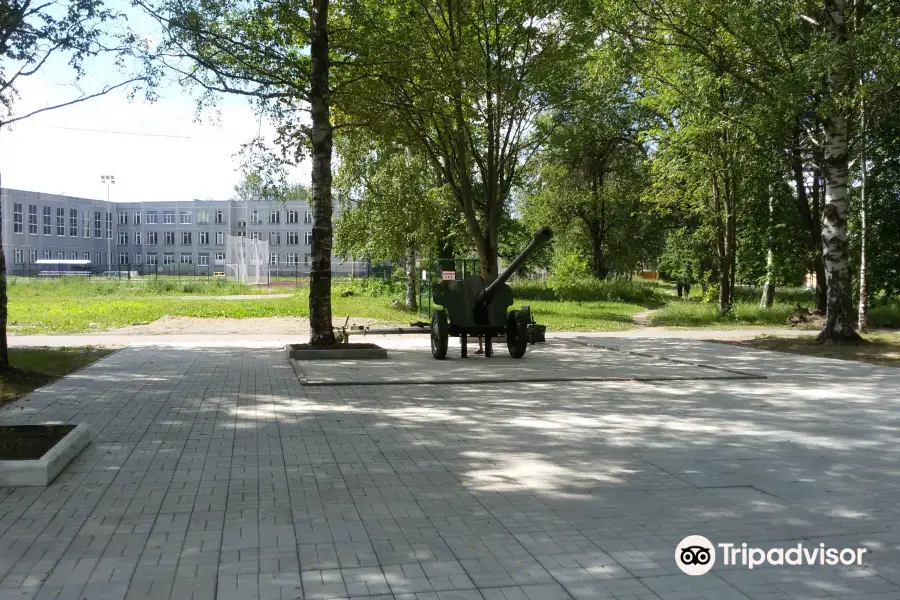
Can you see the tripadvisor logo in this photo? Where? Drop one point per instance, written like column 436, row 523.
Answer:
column 696, row 555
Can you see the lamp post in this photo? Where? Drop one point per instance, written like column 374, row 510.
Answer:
column 108, row 180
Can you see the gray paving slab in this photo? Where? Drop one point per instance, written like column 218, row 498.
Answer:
column 560, row 360
column 214, row 473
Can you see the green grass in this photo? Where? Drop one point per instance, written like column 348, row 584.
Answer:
column 79, row 306
column 583, row 316
column 702, row 314
column 32, row 368
column 79, row 287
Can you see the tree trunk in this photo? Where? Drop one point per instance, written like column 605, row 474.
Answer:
column 811, row 221
column 4, row 349
column 487, row 255
column 321, row 331
column 768, row 294
column 862, row 320
column 723, row 247
column 411, row 278
column 839, row 322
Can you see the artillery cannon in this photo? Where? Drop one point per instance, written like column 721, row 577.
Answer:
column 477, row 306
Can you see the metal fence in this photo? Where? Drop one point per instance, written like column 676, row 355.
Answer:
column 287, row 275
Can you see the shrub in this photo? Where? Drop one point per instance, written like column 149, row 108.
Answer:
column 586, row 289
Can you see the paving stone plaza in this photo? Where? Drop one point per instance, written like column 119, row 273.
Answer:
column 228, row 473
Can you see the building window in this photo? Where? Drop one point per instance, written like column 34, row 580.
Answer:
column 220, row 238
column 307, row 218
column 123, row 258
column 170, row 238
column 123, row 238
column 137, row 240
column 18, row 223
column 274, row 217
column 32, row 256
column 46, row 255
column 109, row 226
column 220, row 216
column 254, row 216
column 152, row 238
column 74, row 255
column 73, row 222
column 187, row 259
column 306, row 259
column 168, row 218
column 204, row 238
column 220, row 258
column 137, row 258
column 293, row 216
column 60, row 255
column 309, row 238
column 17, row 253
column 242, row 234
column 273, row 258
column 152, row 259
column 203, row 260
column 185, row 217
column 275, row 238
column 32, row 219
column 136, row 217
column 86, row 224
column 98, row 256
column 293, row 238
column 152, row 219
column 254, row 235
column 86, row 256
column 97, row 232
column 168, row 258
column 123, row 217
column 241, row 223
column 185, row 238
column 48, row 221
column 202, row 217
column 292, row 259
column 61, row 221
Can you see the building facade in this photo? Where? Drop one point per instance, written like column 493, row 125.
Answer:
column 154, row 236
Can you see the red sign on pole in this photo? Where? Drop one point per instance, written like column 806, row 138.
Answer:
column 448, row 275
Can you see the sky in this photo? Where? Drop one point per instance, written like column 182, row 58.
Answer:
column 155, row 151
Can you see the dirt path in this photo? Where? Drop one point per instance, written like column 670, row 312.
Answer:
column 644, row 318
column 252, row 326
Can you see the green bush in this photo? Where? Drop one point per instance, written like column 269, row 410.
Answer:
column 368, row 286
column 884, row 315
column 586, row 289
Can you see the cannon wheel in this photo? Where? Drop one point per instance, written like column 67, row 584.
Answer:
column 440, row 335
column 517, row 333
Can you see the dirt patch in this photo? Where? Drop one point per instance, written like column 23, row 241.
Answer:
column 252, row 326
column 806, row 317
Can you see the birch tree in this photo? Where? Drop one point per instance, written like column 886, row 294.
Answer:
column 278, row 55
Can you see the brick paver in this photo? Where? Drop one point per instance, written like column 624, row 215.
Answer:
column 216, row 474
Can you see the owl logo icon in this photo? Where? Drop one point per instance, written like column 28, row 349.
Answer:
column 695, row 555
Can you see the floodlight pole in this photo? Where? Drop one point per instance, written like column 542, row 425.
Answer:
column 108, row 180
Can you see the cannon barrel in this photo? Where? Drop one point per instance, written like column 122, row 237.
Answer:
column 541, row 237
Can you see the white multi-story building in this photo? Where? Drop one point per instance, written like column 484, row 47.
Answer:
column 154, row 236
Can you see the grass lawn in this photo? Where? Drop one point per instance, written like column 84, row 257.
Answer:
column 879, row 349
column 36, row 367
column 694, row 313
column 82, row 306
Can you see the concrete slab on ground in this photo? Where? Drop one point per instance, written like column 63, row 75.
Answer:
column 214, row 473
column 561, row 360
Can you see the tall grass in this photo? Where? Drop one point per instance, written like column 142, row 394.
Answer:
column 82, row 287
column 704, row 314
column 586, row 290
